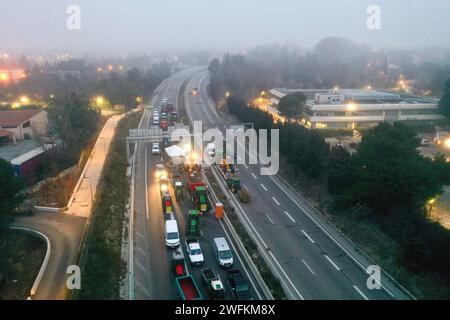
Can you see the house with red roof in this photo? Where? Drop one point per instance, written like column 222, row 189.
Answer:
column 22, row 124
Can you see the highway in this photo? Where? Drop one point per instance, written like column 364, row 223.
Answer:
column 312, row 259
column 152, row 268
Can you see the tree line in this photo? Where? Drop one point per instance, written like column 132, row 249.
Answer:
column 386, row 178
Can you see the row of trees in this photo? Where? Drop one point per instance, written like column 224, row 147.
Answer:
column 332, row 62
column 386, row 177
column 118, row 87
column 304, row 148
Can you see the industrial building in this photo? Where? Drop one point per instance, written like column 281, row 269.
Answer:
column 359, row 108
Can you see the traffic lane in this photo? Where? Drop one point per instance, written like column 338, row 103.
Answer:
column 211, row 229
column 143, row 276
column 350, row 269
column 64, row 232
column 198, row 109
column 346, row 265
column 319, row 279
column 160, row 256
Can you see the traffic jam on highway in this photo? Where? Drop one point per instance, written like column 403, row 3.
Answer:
column 202, row 260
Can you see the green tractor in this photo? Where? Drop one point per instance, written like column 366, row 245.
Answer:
column 194, row 220
column 200, row 199
column 234, row 184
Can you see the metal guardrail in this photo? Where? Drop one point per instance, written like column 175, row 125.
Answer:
column 253, row 269
column 261, row 246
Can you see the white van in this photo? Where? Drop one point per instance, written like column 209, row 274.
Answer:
column 222, row 252
column 171, row 234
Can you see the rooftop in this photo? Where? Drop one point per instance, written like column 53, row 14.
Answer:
column 13, row 151
column 16, row 117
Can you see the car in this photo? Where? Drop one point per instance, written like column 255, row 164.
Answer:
column 155, row 120
column 239, row 285
column 161, row 173
column 155, row 148
column 194, row 252
column 171, row 234
column 222, row 252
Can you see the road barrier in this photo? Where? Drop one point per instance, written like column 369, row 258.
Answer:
column 253, row 269
column 41, row 272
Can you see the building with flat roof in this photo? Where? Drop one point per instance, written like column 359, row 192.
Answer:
column 357, row 108
column 24, row 123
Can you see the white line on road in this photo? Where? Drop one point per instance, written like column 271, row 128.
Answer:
column 246, row 167
column 307, row 236
column 264, row 187
column 282, row 270
column 332, row 262
column 245, row 187
column 360, row 292
column 275, row 200
column 289, row 216
column 146, row 184
column 254, row 176
column 270, row 219
column 304, row 262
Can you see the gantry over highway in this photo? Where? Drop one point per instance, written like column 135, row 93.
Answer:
column 310, row 257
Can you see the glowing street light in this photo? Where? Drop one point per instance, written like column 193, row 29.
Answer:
column 447, row 143
column 351, row 107
column 263, row 93
column 227, row 94
column 99, row 101
column 24, row 100
column 99, row 69
column 4, row 77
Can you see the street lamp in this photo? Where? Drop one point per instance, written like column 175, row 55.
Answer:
column 24, row 100
column 227, row 94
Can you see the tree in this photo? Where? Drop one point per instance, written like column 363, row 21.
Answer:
column 444, row 103
column 10, row 192
column 292, row 105
column 214, row 66
column 74, row 122
column 339, row 170
column 388, row 171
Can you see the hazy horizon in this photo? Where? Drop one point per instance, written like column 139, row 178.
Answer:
column 113, row 27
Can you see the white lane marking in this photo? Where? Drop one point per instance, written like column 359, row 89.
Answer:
column 326, row 232
column 245, row 187
column 264, row 187
column 254, row 176
column 304, row 262
column 289, row 216
column 332, row 262
column 275, row 200
column 146, row 184
column 360, row 292
column 270, row 219
column 307, row 235
column 282, row 270
column 246, row 167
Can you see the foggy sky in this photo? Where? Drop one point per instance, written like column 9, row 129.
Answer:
column 144, row 26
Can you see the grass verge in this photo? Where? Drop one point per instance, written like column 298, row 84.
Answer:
column 101, row 264
column 21, row 256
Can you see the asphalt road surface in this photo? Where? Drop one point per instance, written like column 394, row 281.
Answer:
column 152, row 268
column 312, row 258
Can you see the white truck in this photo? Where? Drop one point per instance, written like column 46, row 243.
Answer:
column 194, row 252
